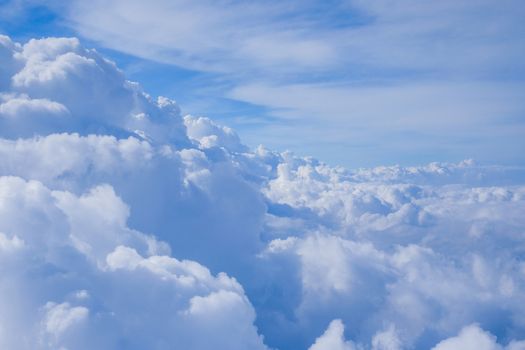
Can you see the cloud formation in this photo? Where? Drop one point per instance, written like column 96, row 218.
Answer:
column 291, row 36
column 332, row 338
column 472, row 337
column 124, row 224
column 75, row 276
column 420, row 80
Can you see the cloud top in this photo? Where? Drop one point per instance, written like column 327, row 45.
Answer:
column 124, row 224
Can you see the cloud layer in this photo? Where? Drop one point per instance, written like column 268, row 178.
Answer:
column 402, row 82
column 124, row 224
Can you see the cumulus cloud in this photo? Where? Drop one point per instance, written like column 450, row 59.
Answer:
column 386, row 340
column 125, row 224
column 209, row 134
column 473, row 337
column 405, row 252
column 333, row 338
column 59, row 318
column 57, row 77
column 74, row 275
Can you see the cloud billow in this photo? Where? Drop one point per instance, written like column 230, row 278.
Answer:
column 124, row 224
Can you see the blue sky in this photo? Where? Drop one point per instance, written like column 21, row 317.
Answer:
column 127, row 224
column 354, row 83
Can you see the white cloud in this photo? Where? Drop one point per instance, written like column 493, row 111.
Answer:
column 62, row 316
column 159, row 299
column 93, row 218
column 18, row 107
column 333, row 338
column 386, row 340
column 209, row 134
column 399, row 253
column 458, row 118
column 74, row 89
column 57, row 158
column 246, row 32
column 440, row 71
column 288, row 36
column 401, row 104
column 10, row 244
column 473, row 337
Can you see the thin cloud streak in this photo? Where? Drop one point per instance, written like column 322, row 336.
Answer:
column 281, row 38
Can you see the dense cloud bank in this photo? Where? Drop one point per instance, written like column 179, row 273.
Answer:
column 126, row 225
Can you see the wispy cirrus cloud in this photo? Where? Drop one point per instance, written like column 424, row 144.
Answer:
column 291, row 36
column 356, row 74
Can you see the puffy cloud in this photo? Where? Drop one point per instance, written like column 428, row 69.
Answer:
column 161, row 184
column 465, row 172
column 69, row 160
column 333, row 338
column 473, row 337
column 102, row 186
column 73, row 275
column 21, row 106
column 9, row 244
column 386, row 251
column 208, row 134
column 56, row 76
column 59, row 318
column 386, row 340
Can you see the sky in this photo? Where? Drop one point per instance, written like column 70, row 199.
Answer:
column 355, row 83
column 128, row 220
